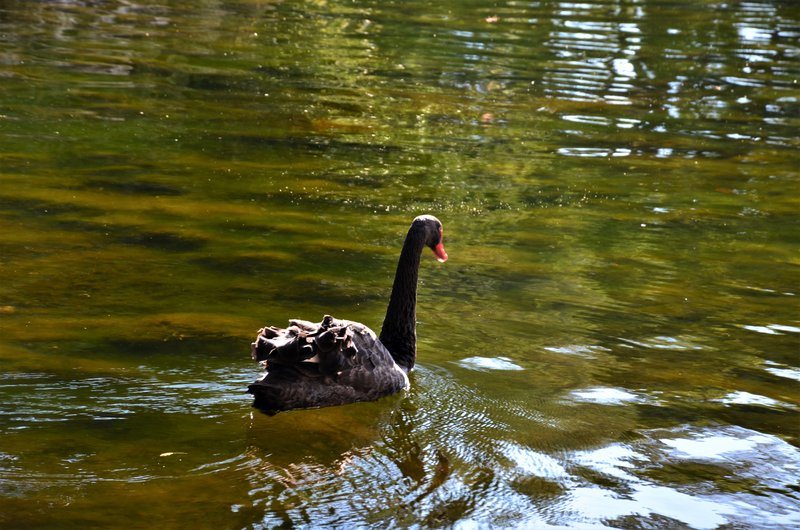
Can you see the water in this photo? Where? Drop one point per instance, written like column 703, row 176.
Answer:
column 612, row 344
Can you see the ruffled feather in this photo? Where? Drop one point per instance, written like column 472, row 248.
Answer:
column 321, row 364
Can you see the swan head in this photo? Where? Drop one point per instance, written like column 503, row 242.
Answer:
column 431, row 229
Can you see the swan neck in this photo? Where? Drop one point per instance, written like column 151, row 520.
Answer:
column 399, row 332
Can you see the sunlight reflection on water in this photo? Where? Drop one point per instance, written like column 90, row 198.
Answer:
column 489, row 363
column 697, row 506
column 608, row 396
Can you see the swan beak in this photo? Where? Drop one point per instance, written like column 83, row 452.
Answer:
column 441, row 255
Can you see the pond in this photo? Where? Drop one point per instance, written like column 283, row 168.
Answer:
column 613, row 343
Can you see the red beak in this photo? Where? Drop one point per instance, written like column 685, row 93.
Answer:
column 441, row 255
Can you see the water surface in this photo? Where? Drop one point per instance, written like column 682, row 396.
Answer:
column 612, row 344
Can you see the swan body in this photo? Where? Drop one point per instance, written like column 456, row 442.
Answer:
column 336, row 361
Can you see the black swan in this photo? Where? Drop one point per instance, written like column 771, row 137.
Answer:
column 339, row 361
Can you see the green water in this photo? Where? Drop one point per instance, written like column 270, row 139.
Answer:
column 614, row 342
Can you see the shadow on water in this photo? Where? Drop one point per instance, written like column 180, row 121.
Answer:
column 374, row 461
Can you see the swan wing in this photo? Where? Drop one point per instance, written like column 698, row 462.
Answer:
column 319, row 364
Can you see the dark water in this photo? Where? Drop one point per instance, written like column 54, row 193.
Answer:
column 614, row 342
